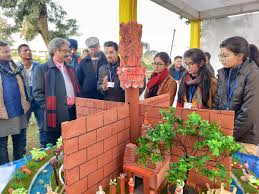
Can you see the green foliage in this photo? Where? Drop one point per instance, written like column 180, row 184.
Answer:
column 38, row 153
column 59, row 142
column 20, row 191
column 49, row 145
column 16, row 185
column 5, row 30
column 148, row 58
column 39, row 59
column 19, row 176
column 203, row 156
column 44, row 17
column 186, row 21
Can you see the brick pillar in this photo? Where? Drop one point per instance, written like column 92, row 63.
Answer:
column 132, row 97
column 131, row 72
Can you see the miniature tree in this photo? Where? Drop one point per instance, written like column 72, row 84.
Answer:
column 203, row 156
column 38, row 154
column 59, row 142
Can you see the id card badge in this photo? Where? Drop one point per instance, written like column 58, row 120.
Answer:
column 187, row 105
column 110, row 84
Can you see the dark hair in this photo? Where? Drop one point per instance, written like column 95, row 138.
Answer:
column 254, row 54
column 111, row 44
column 164, row 57
column 197, row 57
column 207, row 54
column 237, row 44
column 73, row 43
column 2, row 43
column 178, row 57
column 19, row 49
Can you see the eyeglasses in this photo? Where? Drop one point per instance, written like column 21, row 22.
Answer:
column 64, row 50
column 157, row 64
column 189, row 64
column 224, row 56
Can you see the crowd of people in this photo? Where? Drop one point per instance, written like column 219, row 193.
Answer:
column 49, row 90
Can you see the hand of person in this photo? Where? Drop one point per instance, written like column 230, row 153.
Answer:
column 105, row 83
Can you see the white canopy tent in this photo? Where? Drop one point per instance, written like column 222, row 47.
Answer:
column 208, row 9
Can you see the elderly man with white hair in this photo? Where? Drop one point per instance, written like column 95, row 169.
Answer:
column 55, row 89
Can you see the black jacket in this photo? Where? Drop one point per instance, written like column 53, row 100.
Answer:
column 112, row 94
column 39, row 92
column 245, row 101
column 88, row 76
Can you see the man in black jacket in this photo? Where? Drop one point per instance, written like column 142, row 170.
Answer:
column 108, row 81
column 87, row 71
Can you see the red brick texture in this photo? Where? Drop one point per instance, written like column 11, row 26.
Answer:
column 87, row 106
column 162, row 101
column 94, row 145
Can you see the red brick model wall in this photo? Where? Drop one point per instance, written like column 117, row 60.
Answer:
column 152, row 107
column 94, row 145
column 224, row 118
column 162, row 101
column 87, row 106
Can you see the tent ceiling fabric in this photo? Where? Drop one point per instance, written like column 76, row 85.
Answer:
column 208, row 9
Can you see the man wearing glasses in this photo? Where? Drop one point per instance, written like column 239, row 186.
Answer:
column 55, row 89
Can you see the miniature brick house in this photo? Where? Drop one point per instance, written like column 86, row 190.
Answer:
column 94, row 143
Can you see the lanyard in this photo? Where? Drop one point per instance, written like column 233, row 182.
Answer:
column 111, row 75
column 230, row 91
column 191, row 92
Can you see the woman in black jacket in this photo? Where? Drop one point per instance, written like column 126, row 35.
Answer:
column 238, row 90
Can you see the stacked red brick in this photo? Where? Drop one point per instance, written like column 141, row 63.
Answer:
column 86, row 106
column 130, row 154
column 94, row 147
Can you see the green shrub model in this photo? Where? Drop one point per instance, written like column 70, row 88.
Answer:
column 204, row 156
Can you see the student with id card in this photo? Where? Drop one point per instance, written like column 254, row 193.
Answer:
column 238, row 89
column 161, row 81
column 108, row 81
column 197, row 87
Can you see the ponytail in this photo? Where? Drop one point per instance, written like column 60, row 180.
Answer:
column 254, row 54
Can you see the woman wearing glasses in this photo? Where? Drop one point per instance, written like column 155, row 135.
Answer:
column 238, row 89
column 160, row 81
column 197, row 86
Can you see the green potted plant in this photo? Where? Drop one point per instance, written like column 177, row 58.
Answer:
column 202, row 156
